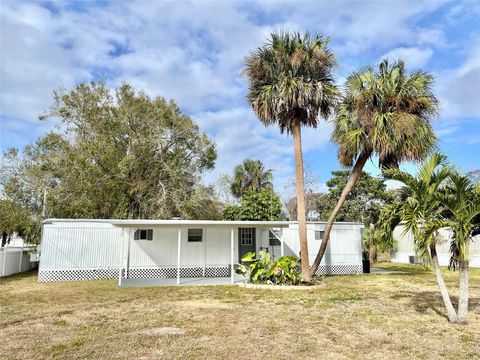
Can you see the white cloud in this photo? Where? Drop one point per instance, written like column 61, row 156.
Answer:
column 459, row 88
column 414, row 57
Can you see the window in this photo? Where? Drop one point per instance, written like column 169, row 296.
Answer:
column 319, row 234
column 195, row 235
column 143, row 234
column 246, row 236
column 272, row 239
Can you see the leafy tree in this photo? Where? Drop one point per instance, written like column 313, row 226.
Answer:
column 387, row 114
column 119, row 154
column 290, row 84
column 15, row 219
column 363, row 203
column 250, row 176
column 437, row 197
column 263, row 205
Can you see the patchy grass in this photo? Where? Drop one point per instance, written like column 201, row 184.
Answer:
column 369, row 316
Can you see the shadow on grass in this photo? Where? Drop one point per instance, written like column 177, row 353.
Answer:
column 432, row 300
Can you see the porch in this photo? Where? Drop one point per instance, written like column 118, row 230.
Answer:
column 189, row 252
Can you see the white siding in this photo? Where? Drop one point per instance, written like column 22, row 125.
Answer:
column 80, row 245
column 344, row 246
column 405, row 247
column 161, row 251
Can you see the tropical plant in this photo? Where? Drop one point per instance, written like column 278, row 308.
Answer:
column 284, row 271
column 250, row 176
column 437, row 197
column 385, row 113
column 290, row 84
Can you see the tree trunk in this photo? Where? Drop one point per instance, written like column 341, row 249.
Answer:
column 352, row 180
column 463, row 293
column 451, row 314
column 300, row 185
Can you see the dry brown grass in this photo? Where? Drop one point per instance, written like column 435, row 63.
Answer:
column 375, row 317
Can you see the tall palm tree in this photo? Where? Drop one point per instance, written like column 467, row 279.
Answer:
column 385, row 113
column 419, row 210
column 250, row 175
column 290, row 84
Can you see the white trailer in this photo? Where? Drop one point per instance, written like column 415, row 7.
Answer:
column 132, row 250
column 405, row 247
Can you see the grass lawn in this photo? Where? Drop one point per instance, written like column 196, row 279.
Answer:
column 394, row 316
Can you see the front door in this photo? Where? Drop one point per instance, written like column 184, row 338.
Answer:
column 246, row 241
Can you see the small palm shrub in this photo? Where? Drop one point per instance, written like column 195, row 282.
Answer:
column 283, row 271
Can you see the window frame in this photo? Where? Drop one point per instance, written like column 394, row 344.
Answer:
column 273, row 240
column 195, row 241
column 320, row 232
column 244, row 240
column 137, row 236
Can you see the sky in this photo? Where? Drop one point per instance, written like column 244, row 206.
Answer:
column 193, row 52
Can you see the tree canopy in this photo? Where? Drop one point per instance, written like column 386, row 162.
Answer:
column 386, row 112
column 250, row 176
column 291, row 80
column 263, row 205
column 116, row 154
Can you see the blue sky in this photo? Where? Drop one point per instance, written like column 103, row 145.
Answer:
column 192, row 52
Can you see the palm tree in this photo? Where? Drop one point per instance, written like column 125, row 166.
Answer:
column 250, row 176
column 462, row 203
column 418, row 209
column 290, row 84
column 438, row 198
column 387, row 114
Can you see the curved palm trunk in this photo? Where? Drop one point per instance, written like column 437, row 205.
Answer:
column 352, row 180
column 451, row 314
column 463, row 293
column 300, row 186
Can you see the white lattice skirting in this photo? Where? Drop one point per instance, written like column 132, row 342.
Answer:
column 59, row 275
column 339, row 269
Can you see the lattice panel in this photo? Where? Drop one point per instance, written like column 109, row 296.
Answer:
column 339, row 269
column 219, row 271
column 77, row 274
column 152, row 273
column 135, row 273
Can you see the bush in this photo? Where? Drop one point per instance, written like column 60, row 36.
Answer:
column 284, row 271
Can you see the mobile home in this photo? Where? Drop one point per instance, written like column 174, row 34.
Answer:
column 405, row 248
column 132, row 250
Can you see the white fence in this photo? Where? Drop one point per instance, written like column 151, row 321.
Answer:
column 14, row 260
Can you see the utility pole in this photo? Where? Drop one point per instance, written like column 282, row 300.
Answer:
column 44, row 205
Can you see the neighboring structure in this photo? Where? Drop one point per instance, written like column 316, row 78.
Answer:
column 16, row 256
column 405, row 251
column 160, row 249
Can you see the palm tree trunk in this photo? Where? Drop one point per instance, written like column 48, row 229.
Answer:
column 352, row 180
column 463, row 293
column 300, row 185
column 451, row 314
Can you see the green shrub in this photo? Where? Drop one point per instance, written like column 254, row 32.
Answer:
column 284, row 271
